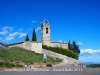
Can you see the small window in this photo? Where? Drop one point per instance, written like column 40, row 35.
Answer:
column 46, row 30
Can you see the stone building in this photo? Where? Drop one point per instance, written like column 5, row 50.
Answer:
column 45, row 39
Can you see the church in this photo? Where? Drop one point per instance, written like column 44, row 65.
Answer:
column 45, row 39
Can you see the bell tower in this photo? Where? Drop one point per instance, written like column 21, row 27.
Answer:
column 45, row 35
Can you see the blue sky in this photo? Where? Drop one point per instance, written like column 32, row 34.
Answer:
column 77, row 20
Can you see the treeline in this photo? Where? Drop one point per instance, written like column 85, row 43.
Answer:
column 74, row 47
column 94, row 65
column 61, row 50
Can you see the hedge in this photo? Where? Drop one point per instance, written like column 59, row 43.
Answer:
column 61, row 50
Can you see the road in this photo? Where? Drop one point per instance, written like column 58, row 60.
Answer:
column 59, row 70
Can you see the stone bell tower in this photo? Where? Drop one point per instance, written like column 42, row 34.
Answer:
column 45, row 35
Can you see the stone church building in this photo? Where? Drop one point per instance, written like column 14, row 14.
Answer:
column 45, row 39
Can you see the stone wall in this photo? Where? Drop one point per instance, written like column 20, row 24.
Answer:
column 16, row 45
column 63, row 45
column 37, row 47
column 2, row 45
column 29, row 45
column 65, row 59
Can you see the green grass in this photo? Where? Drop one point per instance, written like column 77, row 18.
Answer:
column 9, row 65
column 17, row 55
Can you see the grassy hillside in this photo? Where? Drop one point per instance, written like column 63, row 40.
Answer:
column 20, row 55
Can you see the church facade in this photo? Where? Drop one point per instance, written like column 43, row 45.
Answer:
column 45, row 39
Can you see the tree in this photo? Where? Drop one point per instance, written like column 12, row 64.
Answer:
column 34, row 36
column 75, row 47
column 27, row 38
column 69, row 45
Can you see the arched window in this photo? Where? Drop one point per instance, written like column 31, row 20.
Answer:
column 46, row 30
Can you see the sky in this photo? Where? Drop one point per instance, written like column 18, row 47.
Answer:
column 77, row 20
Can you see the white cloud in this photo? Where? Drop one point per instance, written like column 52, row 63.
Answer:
column 14, row 34
column 37, row 29
column 61, row 41
column 22, row 35
column 9, row 38
column 89, row 51
column 34, row 21
column 80, row 43
column 5, row 30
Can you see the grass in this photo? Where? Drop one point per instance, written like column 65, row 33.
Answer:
column 9, row 65
column 17, row 55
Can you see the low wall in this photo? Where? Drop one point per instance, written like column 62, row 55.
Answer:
column 2, row 45
column 29, row 45
column 37, row 47
column 65, row 59
column 16, row 45
column 63, row 45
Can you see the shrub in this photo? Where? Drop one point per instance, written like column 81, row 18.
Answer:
column 6, row 64
column 18, row 65
column 61, row 51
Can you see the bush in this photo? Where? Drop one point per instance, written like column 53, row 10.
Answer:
column 18, row 65
column 6, row 64
column 60, row 50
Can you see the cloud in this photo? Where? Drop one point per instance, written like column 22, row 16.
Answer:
column 90, row 51
column 61, row 41
column 89, row 55
column 34, row 21
column 80, row 43
column 14, row 34
column 20, row 34
column 9, row 38
column 37, row 29
column 5, row 30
